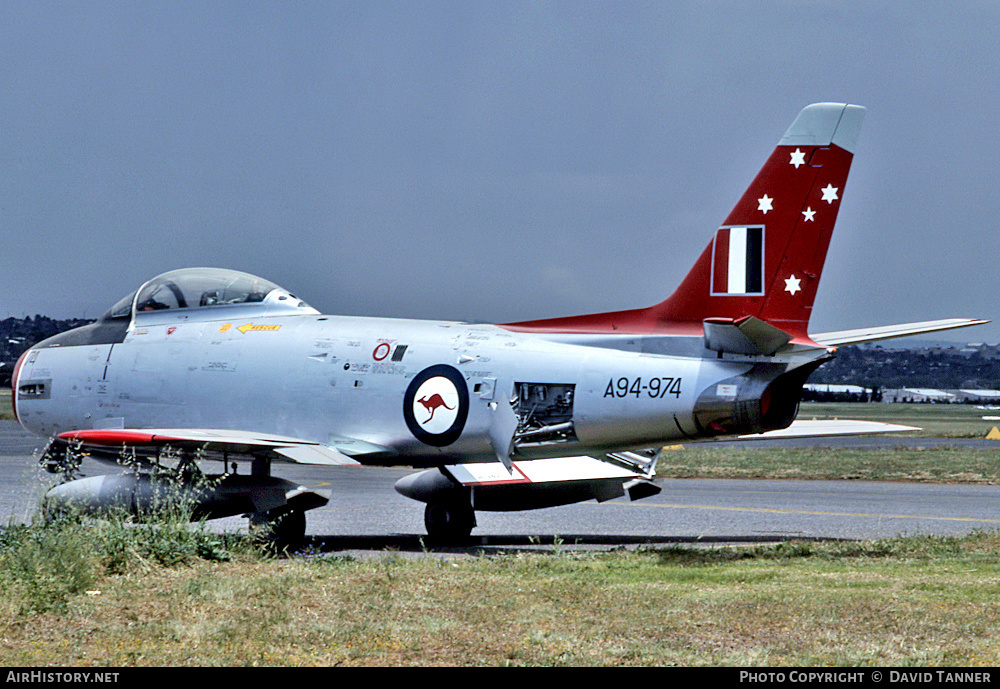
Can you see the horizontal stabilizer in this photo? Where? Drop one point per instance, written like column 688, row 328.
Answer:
column 886, row 332
column 813, row 428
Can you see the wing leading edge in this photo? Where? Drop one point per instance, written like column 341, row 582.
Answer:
column 210, row 440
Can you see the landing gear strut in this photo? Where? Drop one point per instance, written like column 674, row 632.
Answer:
column 449, row 520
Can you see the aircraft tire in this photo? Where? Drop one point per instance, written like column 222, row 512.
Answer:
column 449, row 520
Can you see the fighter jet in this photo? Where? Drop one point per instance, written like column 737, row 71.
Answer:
column 207, row 364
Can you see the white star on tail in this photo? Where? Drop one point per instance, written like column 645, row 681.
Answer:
column 809, row 213
column 798, row 158
column 829, row 193
column 792, row 284
column 764, row 204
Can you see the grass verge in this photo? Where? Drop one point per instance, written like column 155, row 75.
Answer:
column 43, row 565
column 934, row 420
column 909, row 601
column 110, row 593
column 939, row 464
column 6, row 405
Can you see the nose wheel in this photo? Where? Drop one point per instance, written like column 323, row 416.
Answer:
column 282, row 529
column 450, row 520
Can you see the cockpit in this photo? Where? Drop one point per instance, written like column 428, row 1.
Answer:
column 186, row 295
column 207, row 288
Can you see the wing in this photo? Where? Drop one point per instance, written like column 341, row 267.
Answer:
column 556, row 481
column 256, row 493
column 224, row 442
column 849, row 337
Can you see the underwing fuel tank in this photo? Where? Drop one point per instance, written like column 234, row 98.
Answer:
column 534, row 484
column 145, row 496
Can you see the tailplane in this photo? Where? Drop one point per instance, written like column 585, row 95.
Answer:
column 766, row 258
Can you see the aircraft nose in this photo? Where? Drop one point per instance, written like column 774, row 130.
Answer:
column 13, row 385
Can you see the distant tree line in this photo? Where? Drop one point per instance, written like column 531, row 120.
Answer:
column 951, row 368
column 810, row 395
column 18, row 334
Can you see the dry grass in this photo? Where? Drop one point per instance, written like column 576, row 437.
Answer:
column 6, row 407
column 922, row 601
column 82, row 598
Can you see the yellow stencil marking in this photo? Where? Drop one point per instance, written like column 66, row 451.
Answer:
column 251, row 326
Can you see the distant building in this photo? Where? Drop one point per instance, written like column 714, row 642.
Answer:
column 837, row 389
column 919, row 395
column 979, row 396
column 942, row 396
column 832, row 392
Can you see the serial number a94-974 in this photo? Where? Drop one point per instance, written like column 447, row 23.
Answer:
column 651, row 387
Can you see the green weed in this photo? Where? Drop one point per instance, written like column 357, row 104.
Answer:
column 41, row 566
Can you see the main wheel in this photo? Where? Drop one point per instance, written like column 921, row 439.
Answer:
column 449, row 520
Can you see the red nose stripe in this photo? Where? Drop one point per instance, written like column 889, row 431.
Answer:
column 13, row 384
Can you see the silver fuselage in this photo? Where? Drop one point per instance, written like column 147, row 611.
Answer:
column 326, row 378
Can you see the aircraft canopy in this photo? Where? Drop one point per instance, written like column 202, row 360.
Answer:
column 197, row 288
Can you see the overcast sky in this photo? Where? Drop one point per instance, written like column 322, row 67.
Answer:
column 488, row 161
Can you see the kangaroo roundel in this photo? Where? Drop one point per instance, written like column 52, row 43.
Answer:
column 436, row 405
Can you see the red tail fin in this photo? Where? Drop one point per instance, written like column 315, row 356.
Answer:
column 767, row 257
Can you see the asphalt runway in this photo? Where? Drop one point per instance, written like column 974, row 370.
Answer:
column 366, row 514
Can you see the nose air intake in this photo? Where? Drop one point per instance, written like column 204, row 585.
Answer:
column 14, row 387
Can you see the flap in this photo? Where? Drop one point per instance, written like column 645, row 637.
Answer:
column 551, row 470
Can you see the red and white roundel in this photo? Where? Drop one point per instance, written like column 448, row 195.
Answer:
column 381, row 351
column 436, row 405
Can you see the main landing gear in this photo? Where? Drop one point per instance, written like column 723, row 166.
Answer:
column 449, row 520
